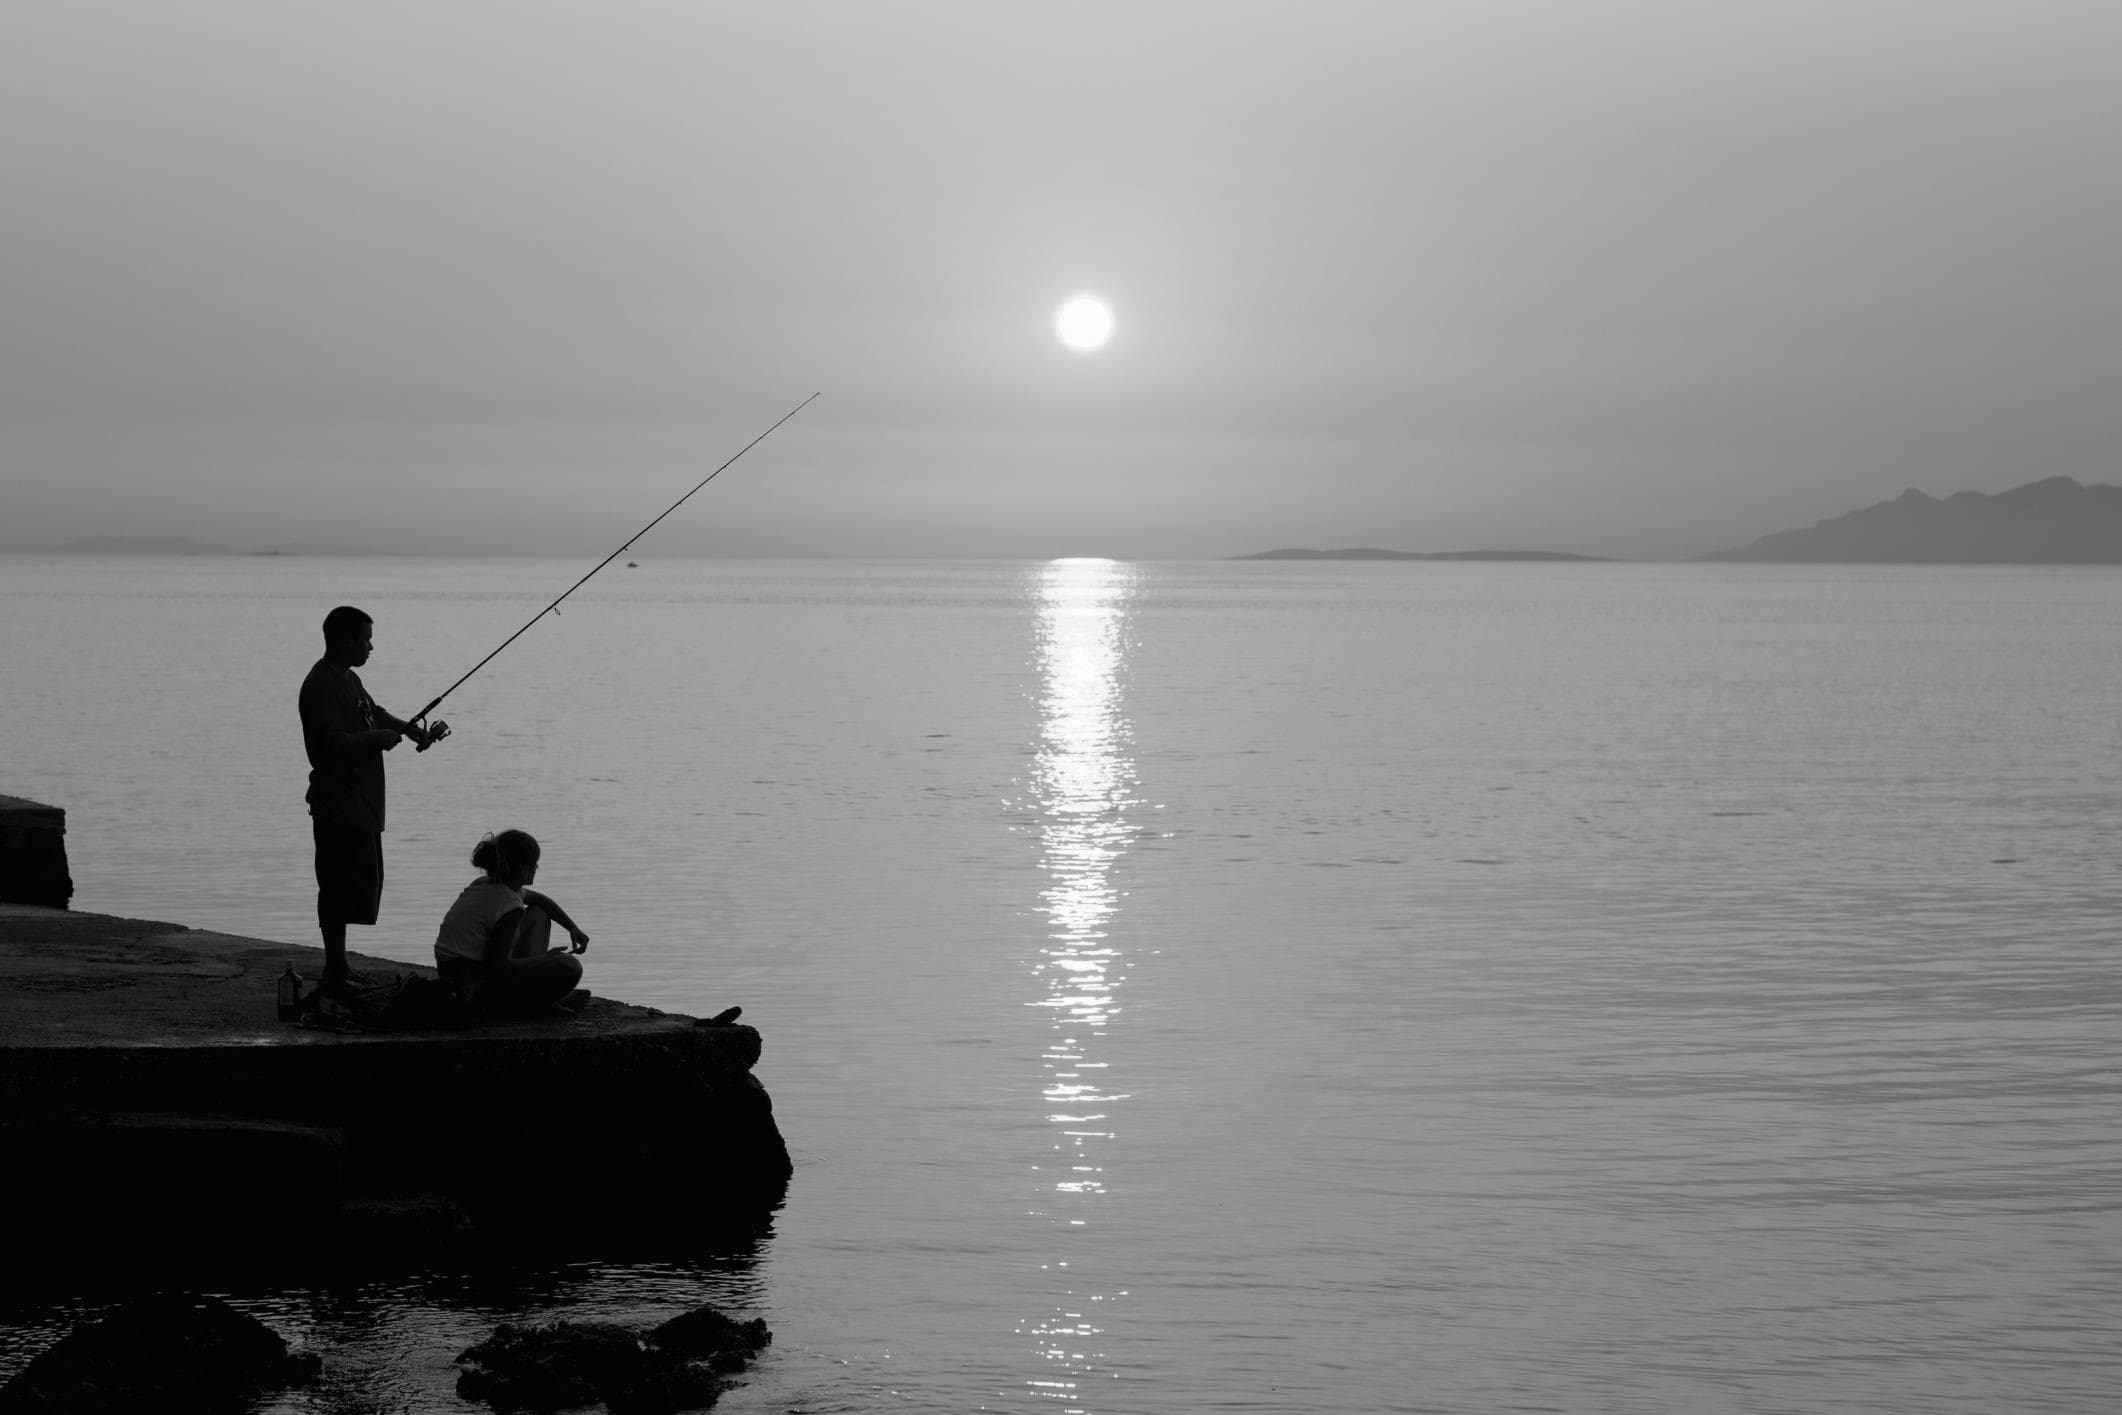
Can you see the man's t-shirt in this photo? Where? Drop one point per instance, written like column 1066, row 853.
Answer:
column 470, row 921
column 345, row 781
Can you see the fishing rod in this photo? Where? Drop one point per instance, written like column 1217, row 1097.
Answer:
column 441, row 729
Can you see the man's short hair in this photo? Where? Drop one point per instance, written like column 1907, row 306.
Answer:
column 344, row 622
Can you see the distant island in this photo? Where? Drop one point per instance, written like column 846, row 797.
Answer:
column 2055, row 521
column 185, row 545
column 1361, row 553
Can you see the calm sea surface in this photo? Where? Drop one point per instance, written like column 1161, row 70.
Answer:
column 1237, row 986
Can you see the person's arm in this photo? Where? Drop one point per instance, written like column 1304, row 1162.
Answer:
column 399, row 728
column 337, row 731
column 501, row 939
column 559, row 916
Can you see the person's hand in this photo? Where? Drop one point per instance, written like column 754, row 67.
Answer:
column 579, row 939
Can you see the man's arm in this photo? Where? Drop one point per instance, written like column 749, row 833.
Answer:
column 335, row 732
column 398, row 727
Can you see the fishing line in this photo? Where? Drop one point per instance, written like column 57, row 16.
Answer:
column 555, row 605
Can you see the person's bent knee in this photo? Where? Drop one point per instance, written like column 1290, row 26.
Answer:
column 534, row 933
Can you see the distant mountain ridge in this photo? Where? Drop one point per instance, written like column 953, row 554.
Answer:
column 1362, row 553
column 2054, row 521
column 186, row 545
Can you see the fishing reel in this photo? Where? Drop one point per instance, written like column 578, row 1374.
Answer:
column 435, row 733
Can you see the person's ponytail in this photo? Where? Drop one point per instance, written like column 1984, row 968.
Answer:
column 507, row 855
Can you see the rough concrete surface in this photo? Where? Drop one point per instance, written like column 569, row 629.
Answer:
column 69, row 979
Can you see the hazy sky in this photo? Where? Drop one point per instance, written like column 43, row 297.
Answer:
column 1611, row 276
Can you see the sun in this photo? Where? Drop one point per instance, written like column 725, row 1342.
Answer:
column 1084, row 322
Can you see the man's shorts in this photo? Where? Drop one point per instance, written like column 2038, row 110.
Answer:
column 349, row 873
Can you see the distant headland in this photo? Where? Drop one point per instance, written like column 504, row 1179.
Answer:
column 185, row 545
column 2055, row 521
column 1363, row 553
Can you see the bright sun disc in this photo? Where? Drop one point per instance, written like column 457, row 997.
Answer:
column 1084, row 322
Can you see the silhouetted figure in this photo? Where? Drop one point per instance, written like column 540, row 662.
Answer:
column 346, row 735
column 495, row 943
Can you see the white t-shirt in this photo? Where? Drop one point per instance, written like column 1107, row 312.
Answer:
column 470, row 921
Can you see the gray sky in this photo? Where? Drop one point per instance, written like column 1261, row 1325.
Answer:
column 1611, row 276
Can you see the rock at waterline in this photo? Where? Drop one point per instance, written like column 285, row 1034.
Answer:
column 164, row 1353
column 677, row 1366
column 550, row 1367
column 704, row 1334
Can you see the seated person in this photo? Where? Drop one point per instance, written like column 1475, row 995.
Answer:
column 493, row 942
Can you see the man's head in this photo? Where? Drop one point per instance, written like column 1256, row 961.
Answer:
column 347, row 636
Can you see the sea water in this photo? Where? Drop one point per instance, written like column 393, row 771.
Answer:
column 1234, row 985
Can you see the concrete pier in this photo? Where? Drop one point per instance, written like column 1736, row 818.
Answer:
column 153, row 1108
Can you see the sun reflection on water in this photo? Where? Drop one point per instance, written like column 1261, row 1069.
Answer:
column 1082, row 793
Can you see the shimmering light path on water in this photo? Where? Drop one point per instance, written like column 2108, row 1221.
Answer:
column 1083, row 787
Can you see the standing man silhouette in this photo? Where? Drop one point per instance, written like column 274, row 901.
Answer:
column 346, row 735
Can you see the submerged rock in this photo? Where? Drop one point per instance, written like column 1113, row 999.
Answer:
column 667, row 1389
column 704, row 1334
column 173, row 1353
column 677, row 1366
column 551, row 1367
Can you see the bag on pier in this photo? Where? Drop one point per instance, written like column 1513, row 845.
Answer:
column 404, row 1002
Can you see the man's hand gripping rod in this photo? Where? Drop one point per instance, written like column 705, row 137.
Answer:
column 440, row 730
